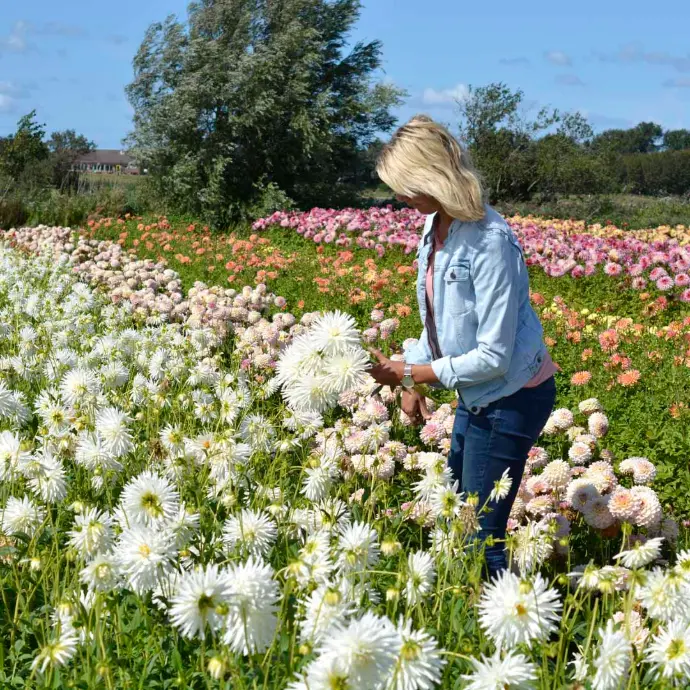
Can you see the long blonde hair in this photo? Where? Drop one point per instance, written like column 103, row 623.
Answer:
column 423, row 157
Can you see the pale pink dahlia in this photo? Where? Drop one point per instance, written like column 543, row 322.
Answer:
column 624, row 505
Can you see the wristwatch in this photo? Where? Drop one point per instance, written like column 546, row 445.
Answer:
column 407, row 380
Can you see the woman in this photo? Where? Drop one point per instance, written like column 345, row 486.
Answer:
column 481, row 336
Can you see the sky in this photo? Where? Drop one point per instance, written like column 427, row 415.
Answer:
column 618, row 62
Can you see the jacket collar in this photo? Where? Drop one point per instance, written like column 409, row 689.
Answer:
column 428, row 230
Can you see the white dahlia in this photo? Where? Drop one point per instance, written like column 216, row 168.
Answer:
column 502, row 671
column 200, row 600
column 514, row 611
column 597, row 513
column 641, row 553
column 149, row 499
column 580, row 493
column 421, row 574
column 251, row 530
column 598, row 424
column 612, row 659
column 642, row 470
column 580, row 453
column 556, row 474
column 589, row 406
column 650, row 512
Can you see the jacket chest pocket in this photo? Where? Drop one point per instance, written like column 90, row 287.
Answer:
column 459, row 293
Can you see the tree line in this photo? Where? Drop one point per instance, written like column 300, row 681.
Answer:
column 549, row 153
column 248, row 106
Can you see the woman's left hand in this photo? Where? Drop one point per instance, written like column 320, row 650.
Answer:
column 386, row 372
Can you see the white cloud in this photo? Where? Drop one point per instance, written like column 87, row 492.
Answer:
column 18, row 40
column 445, row 96
column 635, row 52
column 558, row 57
column 12, row 90
column 7, row 103
column 15, row 41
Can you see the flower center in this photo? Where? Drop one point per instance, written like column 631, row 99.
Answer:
column 206, row 602
column 520, row 609
column 152, row 505
column 410, row 650
column 675, row 649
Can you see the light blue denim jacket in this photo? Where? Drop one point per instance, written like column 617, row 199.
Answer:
column 489, row 335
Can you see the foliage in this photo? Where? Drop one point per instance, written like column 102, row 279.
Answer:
column 13, row 213
column 676, row 140
column 37, row 181
column 22, row 150
column 643, row 138
column 628, row 211
column 500, row 137
column 659, row 174
column 552, row 153
column 245, row 92
column 65, row 148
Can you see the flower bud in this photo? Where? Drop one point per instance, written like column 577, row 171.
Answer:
column 216, row 667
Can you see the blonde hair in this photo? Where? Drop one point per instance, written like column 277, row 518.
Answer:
column 423, row 157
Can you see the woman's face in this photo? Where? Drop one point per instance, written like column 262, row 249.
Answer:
column 422, row 203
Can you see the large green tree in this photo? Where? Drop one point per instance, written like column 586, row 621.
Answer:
column 642, row 138
column 677, row 140
column 23, row 149
column 65, row 148
column 499, row 130
column 255, row 95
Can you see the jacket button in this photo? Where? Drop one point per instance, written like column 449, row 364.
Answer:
column 452, row 275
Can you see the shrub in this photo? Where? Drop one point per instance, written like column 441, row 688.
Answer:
column 657, row 174
column 13, row 213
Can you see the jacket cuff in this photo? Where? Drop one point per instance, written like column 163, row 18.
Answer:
column 444, row 372
column 415, row 354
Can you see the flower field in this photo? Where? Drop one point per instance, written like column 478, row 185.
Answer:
column 200, row 488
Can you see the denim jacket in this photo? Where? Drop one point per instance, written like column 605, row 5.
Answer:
column 490, row 337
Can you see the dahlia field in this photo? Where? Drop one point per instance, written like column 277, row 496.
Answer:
column 201, row 486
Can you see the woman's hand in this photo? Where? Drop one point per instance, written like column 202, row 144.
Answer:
column 414, row 406
column 386, row 372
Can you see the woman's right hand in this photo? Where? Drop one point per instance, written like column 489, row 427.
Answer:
column 414, row 406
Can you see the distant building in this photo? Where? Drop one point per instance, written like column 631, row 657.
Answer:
column 107, row 161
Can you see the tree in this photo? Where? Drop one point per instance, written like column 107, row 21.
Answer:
column 574, row 126
column 65, row 148
column 496, row 127
column 249, row 93
column 643, row 138
column 24, row 148
column 676, row 140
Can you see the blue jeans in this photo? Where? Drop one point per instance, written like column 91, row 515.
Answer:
column 485, row 444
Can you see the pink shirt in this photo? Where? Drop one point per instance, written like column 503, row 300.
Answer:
column 547, row 368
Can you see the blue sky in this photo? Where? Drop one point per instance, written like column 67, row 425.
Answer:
column 617, row 61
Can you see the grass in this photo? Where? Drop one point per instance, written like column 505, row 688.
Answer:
column 112, row 179
column 628, row 211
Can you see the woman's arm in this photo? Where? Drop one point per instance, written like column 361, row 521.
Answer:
column 389, row 372
column 495, row 273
